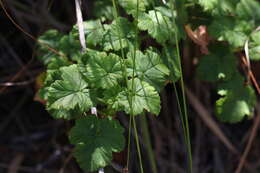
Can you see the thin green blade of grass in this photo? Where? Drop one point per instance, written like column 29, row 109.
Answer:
column 131, row 117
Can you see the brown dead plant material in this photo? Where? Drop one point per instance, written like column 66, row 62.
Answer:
column 16, row 163
column 250, row 141
column 200, row 37
column 212, row 125
column 28, row 34
column 250, row 74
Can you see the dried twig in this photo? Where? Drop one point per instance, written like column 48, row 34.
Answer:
column 250, row 141
column 205, row 116
column 16, row 163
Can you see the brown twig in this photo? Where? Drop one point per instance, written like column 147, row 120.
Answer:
column 205, row 116
column 26, row 33
column 251, row 75
column 18, row 74
column 8, row 84
column 250, row 141
column 16, row 163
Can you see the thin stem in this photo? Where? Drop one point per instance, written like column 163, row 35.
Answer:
column 186, row 123
column 129, row 142
column 132, row 88
column 184, row 116
column 138, row 145
column 129, row 100
column 180, row 110
column 147, row 140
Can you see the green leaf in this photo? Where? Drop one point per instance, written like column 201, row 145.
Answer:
column 254, row 46
column 93, row 30
column 58, row 62
column 53, row 74
column 121, row 30
column 170, row 58
column 208, row 4
column 70, row 46
column 95, row 140
column 157, row 25
column 219, row 64
column 255, row 53
column 103, row 8
column 69, row 92
column 237, row 102
column 104, row 70
column 110, row 98
column 231, row 30
column 248, row 9
column 50, row 38
column 148, row 67
column 130, row 6
column 219, row 7
column 66, row 45
column 65, row 114
column 143, row 97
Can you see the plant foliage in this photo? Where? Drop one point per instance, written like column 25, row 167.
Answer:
column 119, row 72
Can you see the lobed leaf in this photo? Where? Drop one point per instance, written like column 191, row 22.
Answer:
column 104, row 70
column 70, row 92
column 95, row 140
column 231, row 30
column 93, row 30
column 254, row 45
column 50, row 38
column 53, row 74
column 248, row 9
column 148, row 67
column 103, row 9
column 130, row 6
column 157, row 24
column 142, row 97
column 120, row 34
column 219, row 7
column 237, row 102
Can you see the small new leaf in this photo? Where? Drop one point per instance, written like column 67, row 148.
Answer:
column 95, row 140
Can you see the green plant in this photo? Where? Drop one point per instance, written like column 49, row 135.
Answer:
column 130, row 59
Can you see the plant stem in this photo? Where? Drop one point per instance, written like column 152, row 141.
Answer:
column 147, row 141
column 186, row 122
column 130, row 94
column 137, row 145
column 132, row 88
column 129, row 142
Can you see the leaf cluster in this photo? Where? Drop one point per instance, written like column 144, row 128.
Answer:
column 130, row 59
column 116, row 73
column 233, row 24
